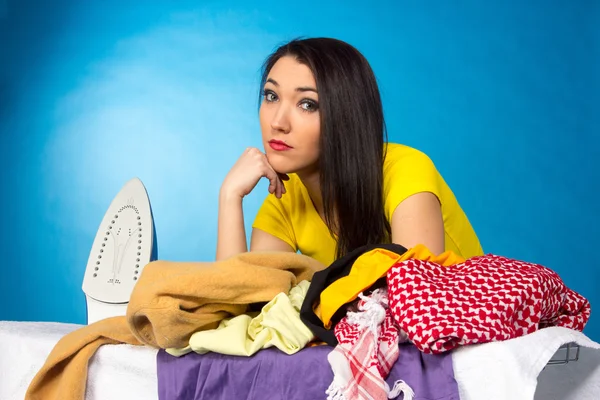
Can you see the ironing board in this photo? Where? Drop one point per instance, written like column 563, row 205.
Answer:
column 130, row 372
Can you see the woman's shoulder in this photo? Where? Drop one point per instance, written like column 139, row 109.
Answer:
column 406, row 158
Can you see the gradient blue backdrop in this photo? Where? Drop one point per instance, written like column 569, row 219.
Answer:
column 503, row 97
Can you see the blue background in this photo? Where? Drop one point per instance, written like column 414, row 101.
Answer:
column 503, row 97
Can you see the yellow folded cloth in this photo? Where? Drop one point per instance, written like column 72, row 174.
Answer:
column 278, row 324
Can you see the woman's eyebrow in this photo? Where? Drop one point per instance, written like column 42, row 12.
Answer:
column 298, row 89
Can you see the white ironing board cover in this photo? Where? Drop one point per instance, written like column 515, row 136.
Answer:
column 501, row 370
column 514, row 369
column 115, row 372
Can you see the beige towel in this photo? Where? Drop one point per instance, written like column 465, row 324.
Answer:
column 170, row 302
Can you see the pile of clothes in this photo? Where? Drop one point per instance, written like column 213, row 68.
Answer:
column 363, row 305
column 375, row 297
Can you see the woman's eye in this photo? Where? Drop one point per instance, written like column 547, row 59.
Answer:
column 270, row 96
column 309, row 106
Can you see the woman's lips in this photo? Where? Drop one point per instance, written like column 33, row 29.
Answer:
column 279, row 146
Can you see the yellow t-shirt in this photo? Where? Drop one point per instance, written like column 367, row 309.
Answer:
column 406, row 171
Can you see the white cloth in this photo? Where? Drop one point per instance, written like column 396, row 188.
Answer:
column 115, row 371
column 510, row 369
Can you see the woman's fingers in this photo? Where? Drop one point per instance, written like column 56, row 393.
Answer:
column 276, row 179
column 281, row 187
column 283, row 191
column 248, row 170
column 271, row 175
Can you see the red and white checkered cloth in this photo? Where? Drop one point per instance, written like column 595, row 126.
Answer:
column 487, row 298
column 366, row 352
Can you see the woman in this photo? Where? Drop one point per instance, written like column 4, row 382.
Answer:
column 335, row 184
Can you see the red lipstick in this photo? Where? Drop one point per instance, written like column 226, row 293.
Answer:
column 278, row 145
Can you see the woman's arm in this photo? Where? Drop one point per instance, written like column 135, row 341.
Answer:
column 263, row 241
column 231, row 234
column 239, row 182
column 231, row 237
column 419, row 220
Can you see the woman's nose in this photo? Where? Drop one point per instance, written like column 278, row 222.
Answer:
column 280, row 121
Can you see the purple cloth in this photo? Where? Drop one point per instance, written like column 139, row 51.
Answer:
column 275, row 375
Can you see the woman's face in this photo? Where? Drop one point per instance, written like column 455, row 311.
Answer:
column 289, row 118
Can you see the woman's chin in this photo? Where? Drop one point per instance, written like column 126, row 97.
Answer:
column 282, row 169
column 279, row 164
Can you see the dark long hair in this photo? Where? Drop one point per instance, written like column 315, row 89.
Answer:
column 353, row 135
